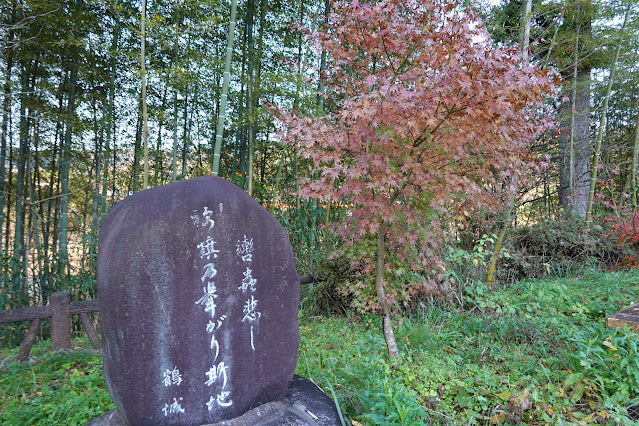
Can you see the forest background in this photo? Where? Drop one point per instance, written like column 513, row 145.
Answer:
column 102, row 99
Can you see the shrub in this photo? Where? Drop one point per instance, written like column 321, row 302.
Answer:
column 558, row 248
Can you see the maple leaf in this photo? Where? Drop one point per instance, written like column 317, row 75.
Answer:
column 423, row 134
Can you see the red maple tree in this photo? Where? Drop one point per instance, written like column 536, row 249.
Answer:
column 431, row 117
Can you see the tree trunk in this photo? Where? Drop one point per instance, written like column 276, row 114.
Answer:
column 633, row 168
column 526, row 37
column 185, row 137
column 17, row 266
column 63, row 254
column 95, row 211
column 250, row 13
column 320, row 80
column 175, row 101
column 175, row 138
column 389, row 335
column 575, row 203
column 6, row 110
column 8, row 203
column 109, row 120
column 602, row 121
column 145, row 129
column 136, row 150
column 225, row 89
column 38, row 228
column 157, row 173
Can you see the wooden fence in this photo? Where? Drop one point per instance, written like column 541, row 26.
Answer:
column 59, row 310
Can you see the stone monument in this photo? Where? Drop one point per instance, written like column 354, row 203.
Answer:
column 198, row 295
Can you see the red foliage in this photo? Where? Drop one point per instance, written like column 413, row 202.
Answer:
column 625, row 228
column 627, row 262
column 431, row 120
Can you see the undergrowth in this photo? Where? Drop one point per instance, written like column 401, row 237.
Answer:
column 53, row 388
column 536, row 352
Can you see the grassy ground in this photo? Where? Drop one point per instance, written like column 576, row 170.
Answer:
column 536, row 352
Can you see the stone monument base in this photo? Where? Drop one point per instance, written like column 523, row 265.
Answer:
column 304, row 404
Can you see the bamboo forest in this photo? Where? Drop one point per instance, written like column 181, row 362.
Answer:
column 458, row 181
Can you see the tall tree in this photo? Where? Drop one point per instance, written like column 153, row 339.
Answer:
column 145, row 116
column 109, row 115
column 17, row 265
column 602, row 121
column 574, row 114
column 6, row 111
column 219, row 133
column 431, row 117
column 63, row 251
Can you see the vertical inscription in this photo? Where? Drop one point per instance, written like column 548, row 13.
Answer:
column 244, row 249
column 171, row 378
column 217, row 375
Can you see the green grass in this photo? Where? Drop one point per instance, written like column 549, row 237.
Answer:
column 537, row 352
column 53, row 388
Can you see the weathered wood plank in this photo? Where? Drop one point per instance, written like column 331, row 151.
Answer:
column 25, row 314
column 86, row 306
column 627, row 317
column 27, row 343
column 90, row 329
column 60, row 321
column 29, row 314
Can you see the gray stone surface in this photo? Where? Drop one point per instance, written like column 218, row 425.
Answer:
column 198, row 295
column 304, row 404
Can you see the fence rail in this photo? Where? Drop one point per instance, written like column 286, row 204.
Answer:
column 59, row 310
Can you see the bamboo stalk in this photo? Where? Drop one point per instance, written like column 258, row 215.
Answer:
column 602, row 121
column 225, row 89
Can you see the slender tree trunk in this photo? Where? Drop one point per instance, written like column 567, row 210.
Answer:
column 185, row 137
column 322, row 69
column 17, row 265
column 633, row 168
column 63, row 253
column 510, row 204
column 114, row 162
column 389, row 335
column 145, row 129
column 175, row 98
column 159, row 157
column 52, row 203
column 526, row 37
column 136, row 150
column 9, row 202
column 39, row 226
column 602, row 121
column 258, row 84
column 250, row 13
column 6, row 111
column 573, row 113
column 241, row 129
column 40, row 283
column 219, row 133
column 95, row 212
column 553, row 40
column 109, row 120
column 175, row 137
column 278, row 178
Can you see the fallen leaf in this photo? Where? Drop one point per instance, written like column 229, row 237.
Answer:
column 498, row 418
column 505, row 395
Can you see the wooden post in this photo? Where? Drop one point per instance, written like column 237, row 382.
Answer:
column 628, row 317
column 60, row 321
column 25, row 349
column 90, row 329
